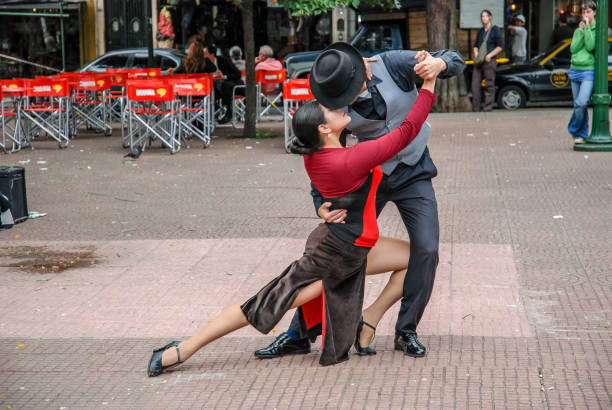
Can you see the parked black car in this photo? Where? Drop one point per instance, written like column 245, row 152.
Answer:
column 542, row 79
column 165, row 58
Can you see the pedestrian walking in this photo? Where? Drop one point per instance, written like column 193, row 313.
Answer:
column 582, row 72
column 335, row 253
column 487, row 46
column 518, row 45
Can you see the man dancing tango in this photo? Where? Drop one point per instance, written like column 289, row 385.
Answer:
column 379, row 108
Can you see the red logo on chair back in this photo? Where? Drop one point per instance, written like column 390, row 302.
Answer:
column 198, row 86
column 161, row 91
column 101, row 83
column 152, row 73
column 57, row 88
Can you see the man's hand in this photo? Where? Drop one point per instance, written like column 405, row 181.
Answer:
column 336, row 216
column 428, row 67
column 366, row 62
column 487, row 58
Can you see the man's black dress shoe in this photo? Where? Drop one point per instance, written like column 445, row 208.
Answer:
column 410, row 345
column 284, row 345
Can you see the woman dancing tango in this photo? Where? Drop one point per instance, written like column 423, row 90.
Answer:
column 336, row 254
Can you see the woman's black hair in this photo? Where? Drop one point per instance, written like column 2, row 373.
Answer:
column 486, row 11
column 305, row 124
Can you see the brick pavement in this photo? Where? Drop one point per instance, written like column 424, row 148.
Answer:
column 519, row 318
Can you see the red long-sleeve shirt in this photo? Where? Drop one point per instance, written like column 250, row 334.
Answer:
column 338, row 171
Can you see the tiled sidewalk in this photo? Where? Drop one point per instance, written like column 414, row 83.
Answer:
column 519, row 317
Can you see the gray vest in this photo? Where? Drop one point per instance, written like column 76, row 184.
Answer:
column 399, row 104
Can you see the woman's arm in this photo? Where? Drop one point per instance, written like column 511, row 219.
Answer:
column 362, row 157
column 589, row 39
column 577, row 41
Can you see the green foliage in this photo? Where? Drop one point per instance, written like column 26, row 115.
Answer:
column 315, row 7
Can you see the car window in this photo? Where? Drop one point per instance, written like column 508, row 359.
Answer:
column 113, row 61
column 375, row 40
column 167, row 63
column 142, row 61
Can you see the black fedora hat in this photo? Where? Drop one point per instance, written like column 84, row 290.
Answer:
column 337, row 75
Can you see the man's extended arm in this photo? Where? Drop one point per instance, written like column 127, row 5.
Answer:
column 400, row 64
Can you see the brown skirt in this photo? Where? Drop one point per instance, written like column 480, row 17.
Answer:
column 341, row 266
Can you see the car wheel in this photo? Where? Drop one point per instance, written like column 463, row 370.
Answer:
column 511, row 97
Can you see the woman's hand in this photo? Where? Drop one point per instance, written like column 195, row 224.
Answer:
column 581, row 25
column 336, row 216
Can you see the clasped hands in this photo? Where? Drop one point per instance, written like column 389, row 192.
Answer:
column 427, row 67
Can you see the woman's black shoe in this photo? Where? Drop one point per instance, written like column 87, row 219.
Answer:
column 368, row 350
column 155, row 364
column 410, row 345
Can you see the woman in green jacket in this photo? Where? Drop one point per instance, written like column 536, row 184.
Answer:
column 582, row 72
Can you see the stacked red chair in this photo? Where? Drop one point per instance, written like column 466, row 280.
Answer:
column 152, row 114
column 117, row 94
column 11, row 93
column 195, row 107
column 46, row 110
column 295, row 93
column 144, row 73
column 90, row 102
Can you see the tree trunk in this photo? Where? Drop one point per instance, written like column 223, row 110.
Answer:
column 442, row 34
column 249, row 56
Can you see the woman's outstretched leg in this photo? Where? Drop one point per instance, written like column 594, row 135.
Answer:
column 389, row 254
column 231, row 319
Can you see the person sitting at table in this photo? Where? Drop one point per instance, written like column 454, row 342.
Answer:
column 195, row 62
column 231, row 78
column 266, row 61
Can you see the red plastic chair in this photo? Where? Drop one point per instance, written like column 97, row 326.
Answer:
column 152, row 111
column 144, row 73
column 269, row 102
column 46, row 108
column 90, row 101
column 11, row 93
column 195, row 107
column 295, row 93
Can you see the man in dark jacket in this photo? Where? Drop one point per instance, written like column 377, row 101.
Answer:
column 232, row 78
column 383, row 104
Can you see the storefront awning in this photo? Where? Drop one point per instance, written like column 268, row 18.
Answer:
column 21, row 4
